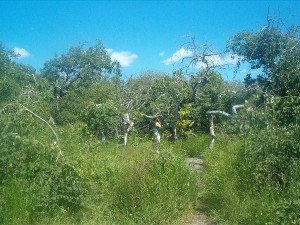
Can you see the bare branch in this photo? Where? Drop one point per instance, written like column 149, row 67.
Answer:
column 235, row 107
column 218, row 112
column 56, row 137
column 212, row 132
column 151, row 117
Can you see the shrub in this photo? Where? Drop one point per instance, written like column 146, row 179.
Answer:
column 29, row 158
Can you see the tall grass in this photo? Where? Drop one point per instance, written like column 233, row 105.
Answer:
column 233, row 197
column 131, row 184
column 14, row 211
column 135, row 185
column 193, row 146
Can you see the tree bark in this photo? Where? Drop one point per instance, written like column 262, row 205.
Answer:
column 127, row 126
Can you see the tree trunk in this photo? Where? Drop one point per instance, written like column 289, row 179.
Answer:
column 127, row 126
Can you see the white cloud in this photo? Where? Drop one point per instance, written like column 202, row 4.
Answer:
column 109, row 50
column 125, row 58
column 162, row 53
column 214, row 60
column 217, row 60
column 177, row 56
column 21, row 52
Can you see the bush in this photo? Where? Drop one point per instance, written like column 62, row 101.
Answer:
column 29, row 159
column 101, row 119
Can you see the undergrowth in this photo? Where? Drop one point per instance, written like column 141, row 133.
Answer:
column 239, row 190
column 93, row 182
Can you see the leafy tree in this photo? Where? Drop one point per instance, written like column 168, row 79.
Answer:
column 5, row 61
column 75, row 76
column 172, row 99
column 79, row 67
column 18, row 82
column 276, row 53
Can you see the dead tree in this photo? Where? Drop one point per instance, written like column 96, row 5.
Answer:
column 199, row 57
column 221, row 113
column 127, row 126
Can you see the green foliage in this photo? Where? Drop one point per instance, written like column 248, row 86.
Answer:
column 13, row 209
column 272, row 155
column 9, row 89
column 29, row 158
column 70, row 107
column 102, row 119
column 16, row 80
column 230, row 203
column 262, row 172
column 5, row 61
column 79, row 76
column 184, row 121
column 276, row 53
column 79, row 67
column 215, row 95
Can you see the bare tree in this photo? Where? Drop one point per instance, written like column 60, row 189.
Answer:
column 127, row 126
column 221, row 113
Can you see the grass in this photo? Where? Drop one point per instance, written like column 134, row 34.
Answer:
column 124, row 185
column 193, row 146
column 146, row 184
column 228, row 191
column 140, row 183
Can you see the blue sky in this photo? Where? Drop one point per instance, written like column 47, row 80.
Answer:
column 141, row 35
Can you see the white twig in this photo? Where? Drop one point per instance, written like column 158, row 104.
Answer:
column 56, row 137
column 216, row 112
column 150, row 117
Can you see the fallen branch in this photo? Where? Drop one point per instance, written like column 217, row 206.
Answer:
column 217, row 112
column 56, row 137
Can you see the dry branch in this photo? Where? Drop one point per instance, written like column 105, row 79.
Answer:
column 54, row 133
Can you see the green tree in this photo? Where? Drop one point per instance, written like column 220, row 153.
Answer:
column 75, row 76
column 276, row 53
column 79, row 67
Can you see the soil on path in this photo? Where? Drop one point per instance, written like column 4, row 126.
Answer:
column 198, row 215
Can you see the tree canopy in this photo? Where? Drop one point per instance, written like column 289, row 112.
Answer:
column 79, row 67
column 276, row 53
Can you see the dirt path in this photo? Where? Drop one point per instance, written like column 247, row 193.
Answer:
column 197, row 216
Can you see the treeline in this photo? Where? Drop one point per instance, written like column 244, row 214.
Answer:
column 80, row 97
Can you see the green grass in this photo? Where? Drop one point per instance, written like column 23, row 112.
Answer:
column 123, row 185
column 141, row 183
column 232, row 196
column 15, row 203
column 193, row 146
